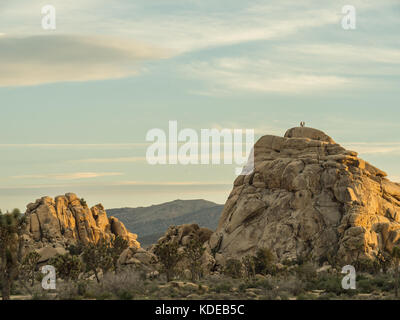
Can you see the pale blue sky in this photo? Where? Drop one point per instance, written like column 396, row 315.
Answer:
column 76, row 103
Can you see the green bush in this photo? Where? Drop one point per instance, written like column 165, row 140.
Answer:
column 306, row 272
column 365, row 286
column 68, row 267
column 265, row 261
column 265, row 284
column 124, row 295
column 305, row 296
column 223, row 287
column 233, row 268
column 330, row 284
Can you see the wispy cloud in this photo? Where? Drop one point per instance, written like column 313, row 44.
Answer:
column 37, row 60
column 69, row 176
column 351, row 53
column 370, row 148
column 261, row 75
column 182, row 28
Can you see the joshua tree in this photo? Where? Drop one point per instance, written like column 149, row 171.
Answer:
column 11, row 229
column 383, row 259
column 168, row 256
column 97, row 256
column 249, row 266
column 103, row 255
column 28, row 267
column 117, row 246
column 193, row 253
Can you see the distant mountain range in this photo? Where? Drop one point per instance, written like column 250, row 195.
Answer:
column 150, row 223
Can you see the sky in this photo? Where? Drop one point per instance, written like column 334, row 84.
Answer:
column 77, row 102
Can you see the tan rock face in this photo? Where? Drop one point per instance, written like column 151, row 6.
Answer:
column 183, row 234
column 67, row 220
column 308, row 196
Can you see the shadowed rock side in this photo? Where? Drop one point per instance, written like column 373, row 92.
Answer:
column 308, row 197
column 68, row 220
column 183, row 234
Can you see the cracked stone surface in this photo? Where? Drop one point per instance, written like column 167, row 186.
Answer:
column 68, row 220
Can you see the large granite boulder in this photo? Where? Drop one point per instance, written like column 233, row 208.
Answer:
column 68, row 220
column 308, row 197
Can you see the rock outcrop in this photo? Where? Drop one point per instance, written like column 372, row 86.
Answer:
column 183, row 234
column 137, row 256
column 309, row 197
column 67, row 220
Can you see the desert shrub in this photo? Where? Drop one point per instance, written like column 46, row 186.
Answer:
column 306, row 271
column 330, row 258
column 379, row 281
column 291, row 285
column 331, row 295
column 264, row 261
column 76, row 250
column 123, row 286
column 124, row 295
column 387, row 285
column 40, row 294
column 102, row 295
column 233, row 268
column 305, row 296
column 329, row 283
column 265, row 284
column 82, row 287
column 68, row 267
column 68, row 291
column 365, row 286
column 271, row 295
column 367, row 265
column 245, row 285
column 152, row 288
column 223, row 287
column 261, row 284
